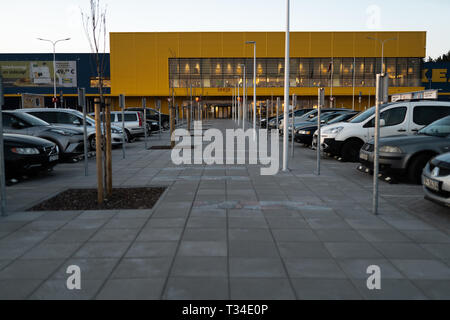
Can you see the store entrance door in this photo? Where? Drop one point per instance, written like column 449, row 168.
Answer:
column 222, row 112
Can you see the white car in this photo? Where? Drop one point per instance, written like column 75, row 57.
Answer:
column 70, row 118
column 436, row 179
column 400, row 118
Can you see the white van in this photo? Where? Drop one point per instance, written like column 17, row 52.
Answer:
column 345, row 139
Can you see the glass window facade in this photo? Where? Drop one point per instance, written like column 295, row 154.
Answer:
column 304, row 72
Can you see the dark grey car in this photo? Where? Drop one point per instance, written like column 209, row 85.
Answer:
column 69, row 141
column 409, row 154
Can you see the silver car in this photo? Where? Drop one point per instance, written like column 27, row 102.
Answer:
column 70, row 118
column 436, row 180
column 69, row 141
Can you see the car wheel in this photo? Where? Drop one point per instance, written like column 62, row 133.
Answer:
column 416, row 166
column 350, row 150
column 92, row 143
column 165, row 125
column 129, row 137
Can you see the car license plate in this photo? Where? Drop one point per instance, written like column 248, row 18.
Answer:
column 430, row 183
column 364, row 156
column 53, row 158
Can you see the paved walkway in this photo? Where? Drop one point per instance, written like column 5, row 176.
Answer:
column 225, row 232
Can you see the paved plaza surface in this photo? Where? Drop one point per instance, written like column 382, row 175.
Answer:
column 226, row 232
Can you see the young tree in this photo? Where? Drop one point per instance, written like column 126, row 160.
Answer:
column 94, row 24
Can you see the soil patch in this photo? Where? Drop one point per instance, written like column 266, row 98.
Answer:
column 86, row 199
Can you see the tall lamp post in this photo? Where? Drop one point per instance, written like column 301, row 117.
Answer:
column 244, row 102
column 286, row 93
column 54, row 65
column 254, row 82
column 382, row 42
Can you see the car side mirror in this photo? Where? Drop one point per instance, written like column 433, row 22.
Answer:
column 77, row 122
column 382, row 122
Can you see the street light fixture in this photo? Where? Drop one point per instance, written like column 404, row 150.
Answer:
column 244, row 99
column 382, row 42
column 54, row 65
column 254, row 82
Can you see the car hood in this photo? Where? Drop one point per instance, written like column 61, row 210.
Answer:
column 307, row 126
column 77, row 130
column 405, row 140
column 442, row 159
column 23, row 140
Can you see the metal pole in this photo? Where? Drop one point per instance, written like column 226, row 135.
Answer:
column 2, row 155
column 376, row 145
column 54, row 73
column 353, row 98
column 239, row 105
column 286, row 93
column 122, row 107
column 294, row 102
column 244, row 111
column 320, row 104
column 144, row 105
column 82, row 104
column 278, row 108
column 159, row 115
column 267, row 116
column 331, row 84
column 254, row 88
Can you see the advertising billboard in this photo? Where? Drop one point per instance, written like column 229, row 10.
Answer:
column 38, row 73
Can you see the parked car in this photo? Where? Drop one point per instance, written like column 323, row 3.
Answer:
column 405, row 117
column 304, row 134
column 69, row 141
column 25, row 154
column 297, row 113
column 153, row 114
column 69, row 118
column 133, row 121
column 436, row 179
column 409, row 154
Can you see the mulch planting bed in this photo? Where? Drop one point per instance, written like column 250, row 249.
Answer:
column 86, row 199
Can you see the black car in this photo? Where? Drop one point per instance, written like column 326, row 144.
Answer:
column 304, row 134
column 153, row 115
column 25, row 154
column 273, row 120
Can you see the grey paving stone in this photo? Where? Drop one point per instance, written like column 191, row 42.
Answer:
column 303, row 250
column 207, row 222
column 52, row 251
column 368, row 224
column 16, row 289
column 91, row 269
column 137, row 268
column 245, row 213
column 252, row 249
column 295, row 235
column 330, row 235
column 57, row 290
column 323, row 223
column 440, row 250
column 250, row 234
column 182, row 288
column 256, row 268
column 199, row 267
column 352, row 250
column 166, row 223
column 97, row 214
column 287, row 223
column 423, row 269
column 136, row 289
column 434, row 289
column 70, row 235
column 152, row 249
column 59, row 215
column 205, row 234
column 325, row 289
column 30, row 269
column 357, row 268
column 131, row 214
column 164, row 212
column 427, row 236
column 31, row 236
column 201, row 212
column 408, row 224
column 281, row 212
column 159, row 234
column 102, row 250
column 247, row 223
column 391, row 289
column 135, row 223
column 10, row 226
column 85, row 224
column 400, row 250
column 115, row 235
column 261, row 289
column 44, row 225
column 384, row 235
column 11, row 250
column 203, row 249
column 313, row 268
column 4, row 263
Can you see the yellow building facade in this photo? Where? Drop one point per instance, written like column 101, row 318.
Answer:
column 209, row 65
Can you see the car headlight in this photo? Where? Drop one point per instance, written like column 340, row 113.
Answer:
column 307, row 132
column 390, row 149
column 154, row 123
column 63, row 132
column 25, row 150
column 334, row 130
column 115, row 130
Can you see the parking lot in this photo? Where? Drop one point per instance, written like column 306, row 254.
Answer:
column 222, row 232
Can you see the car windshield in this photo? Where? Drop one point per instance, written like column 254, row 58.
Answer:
column 439, row 128
column 32, row 120
column 366, row 114
column 341, row 118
